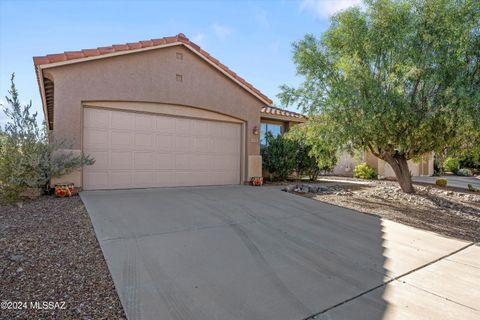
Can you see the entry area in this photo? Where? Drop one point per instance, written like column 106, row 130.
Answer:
column 142, row 150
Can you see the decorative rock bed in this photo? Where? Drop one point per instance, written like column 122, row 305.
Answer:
column 452, row 213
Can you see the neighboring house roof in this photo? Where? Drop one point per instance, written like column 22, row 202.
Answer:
column 278, row 113
column 68, row 57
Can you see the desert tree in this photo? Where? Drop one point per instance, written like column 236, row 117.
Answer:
column 398, row 78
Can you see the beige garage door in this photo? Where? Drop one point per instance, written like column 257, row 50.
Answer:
column 135, row 150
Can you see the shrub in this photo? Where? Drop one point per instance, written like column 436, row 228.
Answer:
column 464, row 172
column 27, row 160
column 278, row 156
column 472, row 188
column 441, row 182
column 471, row 160
column 305, row 164
column 314, row 153
column 364, row 171
column 451, row 164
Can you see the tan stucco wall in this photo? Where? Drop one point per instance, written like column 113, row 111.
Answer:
column 150, row 76
column 346, row 163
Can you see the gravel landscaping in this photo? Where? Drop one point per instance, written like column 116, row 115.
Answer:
column 451, row 213
column 50, row 254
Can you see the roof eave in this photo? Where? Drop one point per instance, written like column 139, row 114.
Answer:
column 282, row 118
column 40, row 67
column 41, row 86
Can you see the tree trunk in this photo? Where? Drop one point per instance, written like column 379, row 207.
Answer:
column 400, row 167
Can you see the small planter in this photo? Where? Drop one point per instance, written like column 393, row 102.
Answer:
column 256, row 181
column 64, row 189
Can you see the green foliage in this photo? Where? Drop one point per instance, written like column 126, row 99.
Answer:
column 464, row 172
column 306, row 165
column 470, row 161
column 451, row 164
column 441, row 182
column 279, row 156
column 399, row 78
column 364, row 171
column 472, row 188
column 27, row 160
column 315, row 153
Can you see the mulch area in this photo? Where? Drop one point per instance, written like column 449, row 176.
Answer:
column 49, row 254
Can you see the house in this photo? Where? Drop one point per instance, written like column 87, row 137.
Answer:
column 156, row 113
column 164, row 113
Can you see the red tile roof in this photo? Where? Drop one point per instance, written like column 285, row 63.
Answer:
column 72, row 55
column 274, row 111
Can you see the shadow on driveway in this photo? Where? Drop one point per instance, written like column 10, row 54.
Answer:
column 238, row 252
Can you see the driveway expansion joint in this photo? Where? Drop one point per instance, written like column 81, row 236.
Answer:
column 397, row 278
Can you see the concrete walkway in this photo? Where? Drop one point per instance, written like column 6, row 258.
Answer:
column 240, row 252
column 453, row 181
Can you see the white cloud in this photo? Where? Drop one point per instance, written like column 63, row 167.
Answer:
column 198, row 38
column 326, row 8
column 221, row 31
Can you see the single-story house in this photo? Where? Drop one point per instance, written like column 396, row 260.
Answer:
column 156, row 113
column 163, row 113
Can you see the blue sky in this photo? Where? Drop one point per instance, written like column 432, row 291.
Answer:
column 253, row 38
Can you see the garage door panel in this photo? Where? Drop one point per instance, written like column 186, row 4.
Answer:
column 144, row 141
column 96, row 118
column 134, row 150
column 214, row 129
column 165, row 178
column 201, row 144
column 121, row 139
column 182, row 127
column 144, row 179
column 121, row 160
column 96, row 138
column 144, row 160
column 183, row 144
column 182, row 178
column 183, row 161
column 202, row 163
column 121, row 179
column 165, row 161
column 122, row 120
column 200, row 128
column 165, row 125
column 164, row 142
column 145, row 122
column 97, row 180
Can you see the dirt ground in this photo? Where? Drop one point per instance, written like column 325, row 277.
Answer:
column 51, row 258
column 445, row 211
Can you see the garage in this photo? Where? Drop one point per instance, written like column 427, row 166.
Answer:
column 156, row 113
column 144, row 150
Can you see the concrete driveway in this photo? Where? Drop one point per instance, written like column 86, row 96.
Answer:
column 241, row 252
column 453, row 181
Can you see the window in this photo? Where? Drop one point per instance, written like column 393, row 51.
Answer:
column 274, row 129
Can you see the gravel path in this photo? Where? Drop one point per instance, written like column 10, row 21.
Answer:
column 50, row 254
